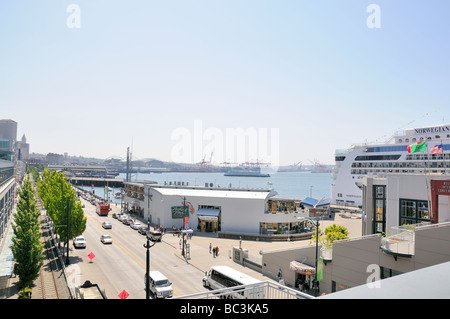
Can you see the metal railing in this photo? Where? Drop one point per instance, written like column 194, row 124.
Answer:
column 400, row 241
column 262, row 290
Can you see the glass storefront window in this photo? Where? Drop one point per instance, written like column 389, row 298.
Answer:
column 408, row 209
column 423, row 211
column 413, row 211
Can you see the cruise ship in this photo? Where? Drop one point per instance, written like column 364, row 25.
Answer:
column 353, row 164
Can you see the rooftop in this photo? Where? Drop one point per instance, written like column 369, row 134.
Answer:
column 220, row 192
column 416, row 284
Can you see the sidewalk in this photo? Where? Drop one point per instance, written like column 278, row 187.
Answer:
column 8, row 288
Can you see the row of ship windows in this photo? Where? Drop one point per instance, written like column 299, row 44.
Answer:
column 422, row 164
column 363, row 172
column 396, row 148
column 421, row 139
column 420, row 157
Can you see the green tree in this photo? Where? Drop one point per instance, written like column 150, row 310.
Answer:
column 335, row 232
column 26, row 245
column 57, row 195
column 331, row 234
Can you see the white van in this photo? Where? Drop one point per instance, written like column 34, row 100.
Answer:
column 219, row 277
column 160, row 286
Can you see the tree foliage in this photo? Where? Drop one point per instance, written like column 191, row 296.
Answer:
column 335, row 232
column 26, row 245
column 57, row 195
column 331, row 234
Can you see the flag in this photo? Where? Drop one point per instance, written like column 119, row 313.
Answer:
column 419, row 147
column 319, row 269
column 437, row 149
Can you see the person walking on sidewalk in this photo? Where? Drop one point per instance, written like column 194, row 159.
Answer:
column 210, row 247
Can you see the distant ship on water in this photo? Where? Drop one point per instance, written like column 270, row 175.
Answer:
column 246, row 169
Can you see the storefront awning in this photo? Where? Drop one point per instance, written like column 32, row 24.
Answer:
column 208, row 214
column 302, row 269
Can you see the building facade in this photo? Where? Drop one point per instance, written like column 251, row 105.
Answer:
column 215, row 209
column 397, row 200
column 406, row 227
column 7, row 192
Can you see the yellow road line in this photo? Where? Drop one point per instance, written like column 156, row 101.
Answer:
column 101, row 228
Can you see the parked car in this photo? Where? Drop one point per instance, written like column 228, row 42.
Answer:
column 107, row 225
column 116, row 215
column 154, row 235
column 122, row 217
column 79, row 242
column 127, row 221
column 142, row 230
column 135, row 225
column 106, row 239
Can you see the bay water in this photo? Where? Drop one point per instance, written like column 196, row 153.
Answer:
column 297, row 185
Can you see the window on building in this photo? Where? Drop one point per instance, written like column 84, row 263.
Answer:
column 335, row 287
column 388, row 273
column 379, row 209
column 414, row 212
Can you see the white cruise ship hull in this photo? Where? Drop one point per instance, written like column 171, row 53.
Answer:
column 353, row 164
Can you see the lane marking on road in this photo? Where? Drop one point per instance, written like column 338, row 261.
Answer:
column 124, row 249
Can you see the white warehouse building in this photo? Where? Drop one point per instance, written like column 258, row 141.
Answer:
column 215, row 209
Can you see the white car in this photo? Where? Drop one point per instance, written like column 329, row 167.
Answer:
column 135, row 225
column 79, row 242
column 106, row 239
column 160, row 286
column 107, row 225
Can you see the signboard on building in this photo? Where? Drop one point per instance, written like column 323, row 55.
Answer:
column 441, row 187
column 179, row 212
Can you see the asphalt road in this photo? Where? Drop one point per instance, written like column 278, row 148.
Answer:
column 121, row 265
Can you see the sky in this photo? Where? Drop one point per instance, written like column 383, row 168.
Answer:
column 228, row 81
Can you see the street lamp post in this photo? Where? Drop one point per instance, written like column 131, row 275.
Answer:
column 148, row 246
column 147, row 268
column 316, row 223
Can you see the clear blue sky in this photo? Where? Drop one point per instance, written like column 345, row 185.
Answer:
column 136, row 71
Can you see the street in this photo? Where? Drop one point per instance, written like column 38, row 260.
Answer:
column 121, row 265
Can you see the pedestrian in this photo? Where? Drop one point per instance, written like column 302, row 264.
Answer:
column 217, row 251
column 210, row 247
column 279, row 275
column 180, row 243
column 214, row 252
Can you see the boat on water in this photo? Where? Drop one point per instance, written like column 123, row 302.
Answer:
column 297, row 167
column 242, row 170
column 118, row 194
column 391, row 157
